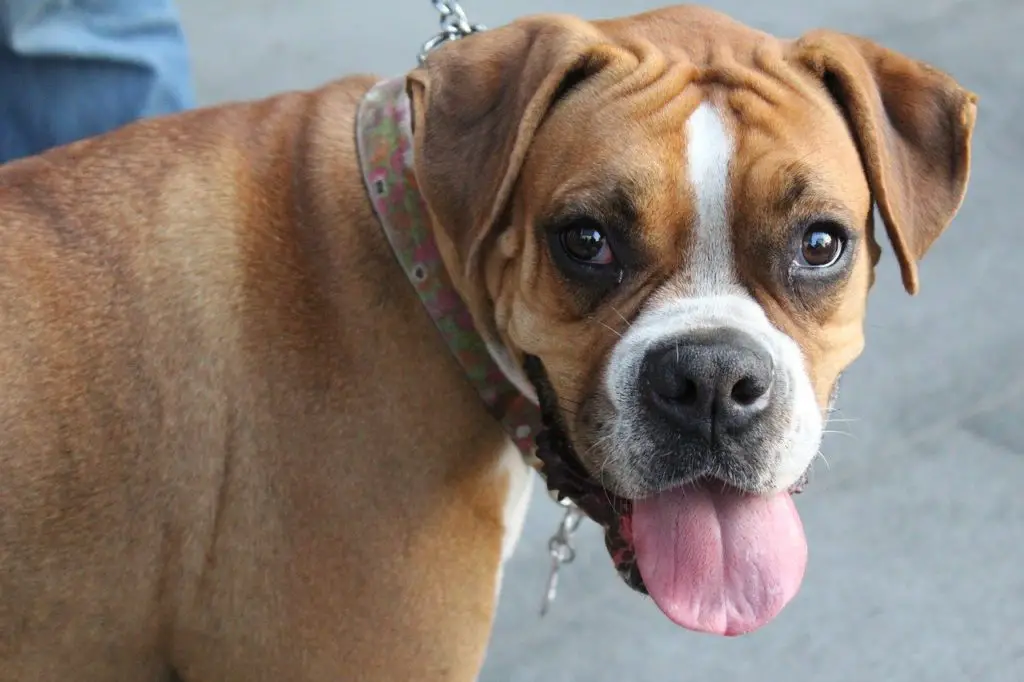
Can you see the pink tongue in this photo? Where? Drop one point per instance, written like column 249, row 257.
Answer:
column 719, row 562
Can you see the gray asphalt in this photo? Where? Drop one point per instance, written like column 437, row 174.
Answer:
column 916, row 528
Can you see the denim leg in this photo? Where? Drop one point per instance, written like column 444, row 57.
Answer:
column 71, row 69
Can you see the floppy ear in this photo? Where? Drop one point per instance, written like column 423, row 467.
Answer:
column 477, row 104
column 913, row 127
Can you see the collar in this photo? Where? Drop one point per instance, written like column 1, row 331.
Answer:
column 384, row 139
column 384, row 134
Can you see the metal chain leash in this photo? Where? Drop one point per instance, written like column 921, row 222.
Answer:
column 454, row 25
column 561, row 550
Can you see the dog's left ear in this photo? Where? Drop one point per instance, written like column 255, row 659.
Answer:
column 477, row 103
column 913, row 126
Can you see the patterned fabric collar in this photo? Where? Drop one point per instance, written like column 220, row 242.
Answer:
column 384, row 137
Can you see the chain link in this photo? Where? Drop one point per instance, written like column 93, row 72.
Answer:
column 561, row 550
column 454, row 25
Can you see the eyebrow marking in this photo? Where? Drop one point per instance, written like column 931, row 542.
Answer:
column 795, row 184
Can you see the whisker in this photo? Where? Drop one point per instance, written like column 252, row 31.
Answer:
column 828, row 467
column 596, row 443
column 611, row 329
column 601, row 477
column 621, row 316
column 604, row 464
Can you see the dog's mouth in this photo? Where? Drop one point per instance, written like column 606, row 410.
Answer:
column 716, row 559
column 713, row 558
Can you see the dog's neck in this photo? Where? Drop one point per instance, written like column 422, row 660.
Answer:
column 384, row 138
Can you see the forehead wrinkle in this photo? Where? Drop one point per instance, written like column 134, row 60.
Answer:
column 764, row 71
column 753, row 113
column 671, row 97
column 762, row 89
column 763, row 78
column 781, row 78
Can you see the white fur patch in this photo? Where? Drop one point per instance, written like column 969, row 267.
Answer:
column 512, row 372
column 517, row 502
column 709, row 151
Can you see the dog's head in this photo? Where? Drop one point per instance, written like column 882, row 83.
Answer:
column 673, row 213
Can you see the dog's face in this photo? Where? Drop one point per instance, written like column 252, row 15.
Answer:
column 691, row 266
column 673, row 213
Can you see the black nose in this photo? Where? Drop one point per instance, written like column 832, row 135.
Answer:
column 708, row 383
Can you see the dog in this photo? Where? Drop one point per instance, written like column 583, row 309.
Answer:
column 239, row 442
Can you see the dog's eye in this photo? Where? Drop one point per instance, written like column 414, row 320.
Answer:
column 821, row 246
column 584, row 241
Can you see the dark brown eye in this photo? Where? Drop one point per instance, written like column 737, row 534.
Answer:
column 821, row 246
column 584, row 241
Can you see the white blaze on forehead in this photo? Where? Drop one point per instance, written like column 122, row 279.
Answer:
column 708, row 153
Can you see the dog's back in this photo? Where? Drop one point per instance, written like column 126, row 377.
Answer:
column 212, row 456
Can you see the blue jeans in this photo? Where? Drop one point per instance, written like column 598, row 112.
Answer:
column 71, row 69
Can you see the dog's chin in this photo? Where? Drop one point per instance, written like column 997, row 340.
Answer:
column 633, row 489
column 637, row 465
column 637, row 485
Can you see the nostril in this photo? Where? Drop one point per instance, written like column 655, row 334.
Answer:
column 684, row 392
column 748, row 391
column 688, row 394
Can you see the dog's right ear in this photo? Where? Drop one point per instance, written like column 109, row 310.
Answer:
column 913, row 126
column 477, row 103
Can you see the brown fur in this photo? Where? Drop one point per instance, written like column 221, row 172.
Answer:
column 233, row 444
column 204, row 339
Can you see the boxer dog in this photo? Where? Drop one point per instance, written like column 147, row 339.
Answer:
column 239, row 442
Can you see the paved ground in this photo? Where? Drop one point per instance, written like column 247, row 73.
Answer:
column 917, row 529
